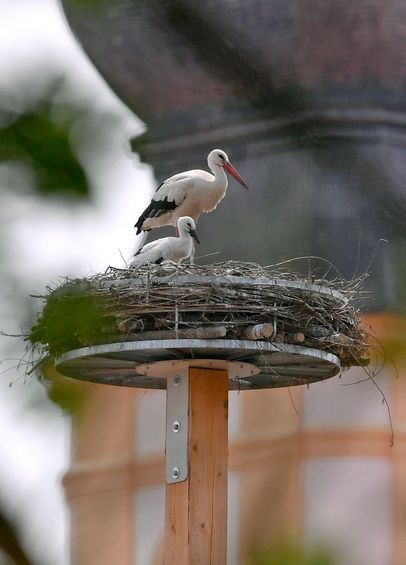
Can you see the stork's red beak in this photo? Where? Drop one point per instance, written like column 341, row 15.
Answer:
column 230, row 169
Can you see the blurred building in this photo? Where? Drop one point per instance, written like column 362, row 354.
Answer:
column 308, row 99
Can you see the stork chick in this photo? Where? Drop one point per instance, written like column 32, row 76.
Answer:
column 169, row 248
column 189, row 194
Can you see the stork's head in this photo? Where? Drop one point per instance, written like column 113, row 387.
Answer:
column 186, row 225
column 219, row 158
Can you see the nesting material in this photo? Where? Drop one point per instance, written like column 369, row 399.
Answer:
column 230, row 300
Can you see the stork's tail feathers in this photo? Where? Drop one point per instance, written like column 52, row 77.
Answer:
column 142, row 219
column 139, row 223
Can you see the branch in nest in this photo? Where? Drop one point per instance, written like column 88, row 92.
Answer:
column 260, row 331
column 212, row 332
column 299, row 337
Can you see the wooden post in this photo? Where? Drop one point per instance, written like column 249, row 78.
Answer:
column 196, row 509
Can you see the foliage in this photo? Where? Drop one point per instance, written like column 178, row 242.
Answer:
column 290, row 554
column 96, row 4
column 68, row 394
column 10, row 542
column 35, row 138
column 70, row 319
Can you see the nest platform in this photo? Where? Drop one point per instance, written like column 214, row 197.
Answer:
column 280, row 328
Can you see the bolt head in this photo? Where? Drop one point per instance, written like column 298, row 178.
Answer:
column 176, row 426
column 175, row 473
column 176, row 380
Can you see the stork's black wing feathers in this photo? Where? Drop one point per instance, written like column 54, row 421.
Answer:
column 154, row 210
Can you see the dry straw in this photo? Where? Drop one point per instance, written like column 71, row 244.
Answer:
column 233, row 299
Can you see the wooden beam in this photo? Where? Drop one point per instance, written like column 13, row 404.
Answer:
column 196, row 509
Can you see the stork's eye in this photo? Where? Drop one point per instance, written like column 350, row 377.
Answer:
column 221, row 156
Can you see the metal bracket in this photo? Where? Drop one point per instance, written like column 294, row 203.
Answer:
column 176, row 442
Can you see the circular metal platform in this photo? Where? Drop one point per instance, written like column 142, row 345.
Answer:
column 263, row 364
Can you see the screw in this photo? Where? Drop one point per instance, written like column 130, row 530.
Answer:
column 175, row 473
column 176, row 380
column 176, row 426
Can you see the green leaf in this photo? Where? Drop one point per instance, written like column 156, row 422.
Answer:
column 34, row 138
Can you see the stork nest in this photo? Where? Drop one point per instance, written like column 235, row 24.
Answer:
column 233, row 299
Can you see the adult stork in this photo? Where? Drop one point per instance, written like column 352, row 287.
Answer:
column 189, row 194
column 169, row 248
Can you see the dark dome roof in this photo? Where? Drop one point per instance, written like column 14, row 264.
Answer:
column 168, row 58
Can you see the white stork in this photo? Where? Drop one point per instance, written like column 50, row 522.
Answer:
column 169, row 248
column 189, row 194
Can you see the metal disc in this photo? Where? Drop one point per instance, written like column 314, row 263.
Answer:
column 122, row 363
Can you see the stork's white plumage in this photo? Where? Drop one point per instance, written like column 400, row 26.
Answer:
column 189, row 194
column 169, row 248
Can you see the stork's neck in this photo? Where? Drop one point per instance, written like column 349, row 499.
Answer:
column 219, row 173
column 183, row 234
